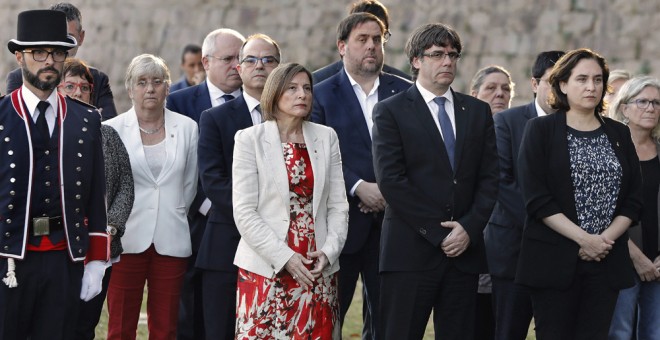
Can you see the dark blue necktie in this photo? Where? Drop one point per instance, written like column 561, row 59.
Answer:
column 447, row 129
column 42, row 125
column 227, row 97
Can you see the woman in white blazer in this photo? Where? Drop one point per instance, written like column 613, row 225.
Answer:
column 162, row 147
column 291, row 210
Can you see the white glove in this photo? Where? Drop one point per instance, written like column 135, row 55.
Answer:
column 92, row 279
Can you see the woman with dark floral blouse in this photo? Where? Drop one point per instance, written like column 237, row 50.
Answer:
column 582, row 189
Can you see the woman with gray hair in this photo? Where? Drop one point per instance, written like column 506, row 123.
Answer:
column 614, row 82
column 637, row 105
column 493, row 85
column 162, row 147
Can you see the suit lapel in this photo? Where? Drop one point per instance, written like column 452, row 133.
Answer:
column 274, row 157
column 202, row 100
column 462, row 119
column 385, row 89
column 316, row 156
column 530, row 111
column 240, row 113
column 171, row 140
column 562, row 159
column 421, row 111
column 134, row 142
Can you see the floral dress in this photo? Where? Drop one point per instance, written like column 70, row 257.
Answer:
column 279, row 308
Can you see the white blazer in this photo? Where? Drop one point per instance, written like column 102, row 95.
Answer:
column 260, row 197
column 161, row 204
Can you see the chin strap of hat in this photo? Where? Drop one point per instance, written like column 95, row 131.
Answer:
column 10, row 279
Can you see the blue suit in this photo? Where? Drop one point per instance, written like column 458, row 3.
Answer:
column 336, row 105
column 190, row 102
column 179, row 85
column 503, row 233
column 218, row 126
column 330, row 70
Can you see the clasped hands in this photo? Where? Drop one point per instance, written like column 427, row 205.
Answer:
column 594, row 247
column 457, row 241
column 297, row 267
column 371, row 200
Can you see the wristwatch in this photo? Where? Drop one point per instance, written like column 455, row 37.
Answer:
column 111, row 230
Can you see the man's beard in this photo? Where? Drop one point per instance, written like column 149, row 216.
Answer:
column 47, row 85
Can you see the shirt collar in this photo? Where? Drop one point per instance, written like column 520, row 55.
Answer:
column 539, row 110
column 429, row 96
column 250, row 101
column 31, row 100
column 216, row 93
column 355, row 83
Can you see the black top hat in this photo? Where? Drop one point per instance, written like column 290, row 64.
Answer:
column 41, row 28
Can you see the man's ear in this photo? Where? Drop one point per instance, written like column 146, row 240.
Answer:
column 82, row 38
column 535, row 85
column 19, row 58
column 341, row 47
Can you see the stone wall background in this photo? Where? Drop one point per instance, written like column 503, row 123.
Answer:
column 505, row 32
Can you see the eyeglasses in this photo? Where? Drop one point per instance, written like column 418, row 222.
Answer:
column 70, row 87
column 268, row 60
column 440, row 55
column 42, row 55
column 156, row 82
column 643, row 104
column 225, row 59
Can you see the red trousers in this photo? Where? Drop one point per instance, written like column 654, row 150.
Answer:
column 164, row 275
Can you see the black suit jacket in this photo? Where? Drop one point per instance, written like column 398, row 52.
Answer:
column 218, row 126
column 420, row 187
column 336, row 105
column 548, row 259
column 101, row 96
column 503, row 234
column 328, row 71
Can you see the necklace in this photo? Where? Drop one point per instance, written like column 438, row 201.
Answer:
column 153, row 131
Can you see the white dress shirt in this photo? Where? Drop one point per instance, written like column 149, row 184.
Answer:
column 433, row 107
column 252, row 104
column 216, row 94
column 31, row 101
column 367, row 101
column 539, row 110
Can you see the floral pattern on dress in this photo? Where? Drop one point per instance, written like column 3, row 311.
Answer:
column 279, row 308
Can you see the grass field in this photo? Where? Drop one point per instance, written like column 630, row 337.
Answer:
column 352, row 327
